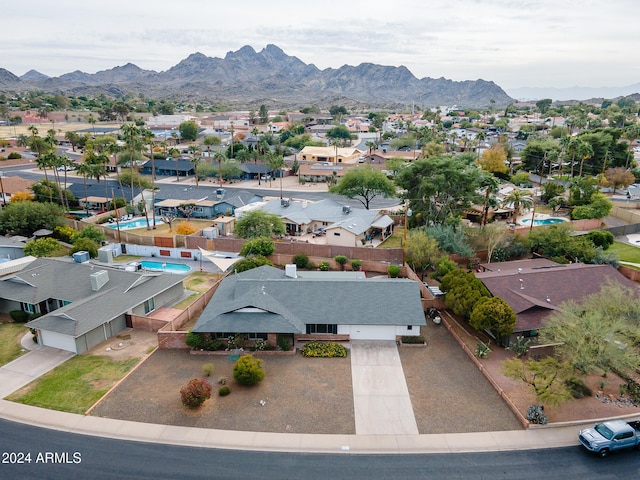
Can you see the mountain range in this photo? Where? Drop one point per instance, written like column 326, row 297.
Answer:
column 249, row 78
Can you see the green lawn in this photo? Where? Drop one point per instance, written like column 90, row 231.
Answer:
column 75, row 385
column 395, row 240
column 626, row 252
column 10, row 334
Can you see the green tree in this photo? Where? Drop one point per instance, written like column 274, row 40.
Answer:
column 440, row 189
column 601, row 238
column 263, row 114
column 258, row 246
column 249, row 263
column 463, row 291
column 258, row 223
column 421, row 251
column 341, row 134
column 85, row 244
column 24, row 218
column 41, row 247
column 546, row 377
column 551, row 190
column 90, row 232
column 364, row 184
column 494, row 314
column 341, row 260
column 494, row 159
column 248, row 370
column 188, row 130
column 599, row 207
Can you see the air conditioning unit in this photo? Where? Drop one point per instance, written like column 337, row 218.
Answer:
column 284, row 202
column 346, row 210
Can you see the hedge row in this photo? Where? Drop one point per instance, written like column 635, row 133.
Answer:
column 324, row 349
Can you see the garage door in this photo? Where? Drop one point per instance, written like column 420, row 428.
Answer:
column 372, row 332
column 57, row 340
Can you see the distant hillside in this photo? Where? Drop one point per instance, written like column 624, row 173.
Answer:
column 247, row 78
column 572, row 93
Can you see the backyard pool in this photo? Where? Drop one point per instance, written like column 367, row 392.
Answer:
column 543, row 221
column 131, row 224
column 165, row 267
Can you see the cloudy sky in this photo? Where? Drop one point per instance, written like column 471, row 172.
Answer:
column 515, row 43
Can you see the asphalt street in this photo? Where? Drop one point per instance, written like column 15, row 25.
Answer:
column 65, row 456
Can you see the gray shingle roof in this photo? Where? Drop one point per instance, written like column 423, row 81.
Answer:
column 265, row 300
column 48, row 278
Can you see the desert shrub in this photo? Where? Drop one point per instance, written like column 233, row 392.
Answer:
column 284, row 343
column 185, row 228
column 64, row 233
column 324, row 349
column 536, row 415
column 41, row 247
column 413, row 339
column 483, row 350
column 193, row 340
column 258, row 246
column 393, row 271
column 90, row 232
column 222, row 380
column 324, row 266
column 85, row 245
column 355, row 265
column 577, row 388
column 207, row 369
column 194, row 393
column 248, row 370
column 311, row 265
column 251, row 262
column 212, row 344
column 301, row 260
column 224, row 391
column 19, row 316
column 520, row 347
column 14, row 156
column 341, row 260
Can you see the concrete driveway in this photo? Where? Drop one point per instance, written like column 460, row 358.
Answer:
column 31, row 365
column 381, row 399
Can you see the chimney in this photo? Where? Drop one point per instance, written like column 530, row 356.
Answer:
column 99, row 279
column 290, row 270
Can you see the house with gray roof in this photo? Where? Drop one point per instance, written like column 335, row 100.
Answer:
column 348, row 226
column 80, row 305
column 266, row 303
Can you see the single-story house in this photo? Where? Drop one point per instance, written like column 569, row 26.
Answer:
column 169, row 167
column 81, row 305
column 11, row 248
column 266, row 302
column 320, row 172
column 9, row 186
column 535, row 288
column 349, row 224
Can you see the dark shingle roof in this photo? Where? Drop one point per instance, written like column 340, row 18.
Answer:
column 265, row 300
column 544, row 287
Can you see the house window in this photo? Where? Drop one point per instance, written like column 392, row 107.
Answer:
column 256, row 336
column 322, row 328
column 409, row 327
column 30, row 307
column 337, row 234
column 149, row 305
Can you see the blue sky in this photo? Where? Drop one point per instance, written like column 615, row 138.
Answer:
column 515, row 43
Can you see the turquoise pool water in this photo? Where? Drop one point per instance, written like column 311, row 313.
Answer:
column 131, row 224
column 546, row 221
column 166, row 267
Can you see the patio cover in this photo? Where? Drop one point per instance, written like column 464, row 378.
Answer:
column 221, row 260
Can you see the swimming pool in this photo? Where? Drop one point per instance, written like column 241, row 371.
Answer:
column 544, row 221
column 165, row 267
column 131, row 224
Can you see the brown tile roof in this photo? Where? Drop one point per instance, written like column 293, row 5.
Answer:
column 539, row 287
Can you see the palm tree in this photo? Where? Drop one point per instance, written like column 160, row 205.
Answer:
column 584, row 151
column 196, row 159
column 84, row 169
column 519, row 199
column 131, row 133
column 175, row 153
column 490, row 183
column 148, row 138
column 92, row 121
column 372, row 145
column 276, row 162
column 210, row 140
column 219, row 156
